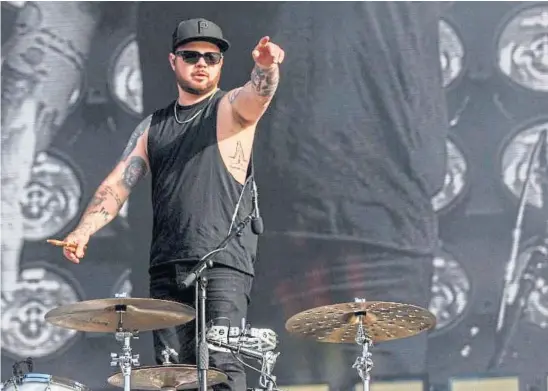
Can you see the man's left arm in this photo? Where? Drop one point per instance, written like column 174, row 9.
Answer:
column 250, row 102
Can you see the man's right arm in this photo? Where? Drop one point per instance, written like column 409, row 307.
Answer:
column 114, row 190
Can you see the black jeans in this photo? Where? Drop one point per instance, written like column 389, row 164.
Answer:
column 227, row 302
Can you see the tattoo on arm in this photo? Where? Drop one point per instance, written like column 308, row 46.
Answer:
column 138, row 132
column 135, row 170
column 239, row 162
column 102, row 194
column 265, row 81
column 234, row 94
column 86, row 228
column 101, row 212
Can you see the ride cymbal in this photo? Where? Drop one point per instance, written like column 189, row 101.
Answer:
column 382, row 321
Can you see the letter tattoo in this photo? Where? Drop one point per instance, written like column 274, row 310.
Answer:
column 101, row 212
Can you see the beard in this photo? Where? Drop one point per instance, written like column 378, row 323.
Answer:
column 191, row 88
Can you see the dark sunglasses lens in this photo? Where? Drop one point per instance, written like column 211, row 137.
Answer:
column 190, row 57
column 212, row 58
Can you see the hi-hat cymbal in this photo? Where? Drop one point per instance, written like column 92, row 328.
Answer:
column 101, row 315
column 382, row 321
column 167, row 377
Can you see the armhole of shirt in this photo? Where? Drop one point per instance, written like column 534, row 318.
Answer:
column 154, row 121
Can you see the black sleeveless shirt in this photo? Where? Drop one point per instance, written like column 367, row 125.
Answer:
column 194, row 196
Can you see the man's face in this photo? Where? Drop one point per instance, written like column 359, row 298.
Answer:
column 195, row 74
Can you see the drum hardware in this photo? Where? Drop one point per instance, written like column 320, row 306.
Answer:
column 127, row 360
column 248, row 343
column 246, row 336
column 363, row 363
column 167, row 353
column 18, row 372
column 124, row 317
column 363, row 323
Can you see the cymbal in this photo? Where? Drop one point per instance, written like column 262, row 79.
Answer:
column 101, row 315
column 170, row 377
column 382, row 321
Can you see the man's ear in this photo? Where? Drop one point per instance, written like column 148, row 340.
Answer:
column 171, row 59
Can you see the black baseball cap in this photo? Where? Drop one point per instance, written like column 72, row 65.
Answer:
column 199, row 29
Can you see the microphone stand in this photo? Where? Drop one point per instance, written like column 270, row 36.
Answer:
column 195, row 276
column 536, row 263
column 511, row 289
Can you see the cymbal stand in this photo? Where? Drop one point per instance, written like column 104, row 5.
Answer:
column 267, row 359
column 126, row 360
column 363, row 363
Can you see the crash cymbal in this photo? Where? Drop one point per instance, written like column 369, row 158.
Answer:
column 167, row 377
column 101, row 315
column 382, row 321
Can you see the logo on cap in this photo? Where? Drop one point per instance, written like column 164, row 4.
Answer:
column 202, row 25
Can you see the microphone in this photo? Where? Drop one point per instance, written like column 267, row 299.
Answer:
column 257, row 225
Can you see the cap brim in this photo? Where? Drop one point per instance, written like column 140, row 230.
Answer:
column 223, row 44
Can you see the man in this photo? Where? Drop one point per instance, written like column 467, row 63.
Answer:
column 198, row 151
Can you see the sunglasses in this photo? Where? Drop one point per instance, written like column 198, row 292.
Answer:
column 192, row 57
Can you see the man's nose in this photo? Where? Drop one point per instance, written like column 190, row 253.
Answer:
column 201, row 62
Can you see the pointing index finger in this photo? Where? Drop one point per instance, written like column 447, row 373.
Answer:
column 264, row 41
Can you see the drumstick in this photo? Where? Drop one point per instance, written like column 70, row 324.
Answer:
column 61, row 243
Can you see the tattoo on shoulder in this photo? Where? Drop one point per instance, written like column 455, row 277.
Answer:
column 135, row 170
column 234, row 94
column 265, row 81
column 134, row 138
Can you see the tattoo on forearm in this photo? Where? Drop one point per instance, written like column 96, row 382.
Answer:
column 238, row 161
column 101, row 212
column 135, row 170
column 134, row 138
column 86, row 228
column 114, row 195
column 265, row 81
column 102, row 195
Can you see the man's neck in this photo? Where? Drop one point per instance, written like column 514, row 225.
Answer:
column 187, row 99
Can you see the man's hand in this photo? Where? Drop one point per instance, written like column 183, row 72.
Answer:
column 249, row 103
column 78, row 240
column 267, row 53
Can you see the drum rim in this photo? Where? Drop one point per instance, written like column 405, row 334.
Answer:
column 73, row 384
